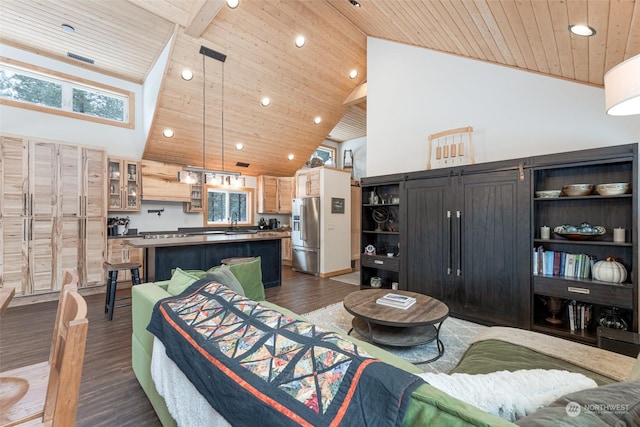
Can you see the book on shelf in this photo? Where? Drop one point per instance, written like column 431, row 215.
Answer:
column 579, row 315
column 396, row 300
column 561, row 264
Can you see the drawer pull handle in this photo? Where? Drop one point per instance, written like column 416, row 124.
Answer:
column 377, row 261
column 578, row 290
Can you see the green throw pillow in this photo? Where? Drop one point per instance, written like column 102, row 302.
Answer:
column 225, row 277
column 200, row 274
column 180, row 280
column 616, row 404
column 249, row 274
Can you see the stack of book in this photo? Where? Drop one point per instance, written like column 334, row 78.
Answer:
column 579, row 315
column 396, row 300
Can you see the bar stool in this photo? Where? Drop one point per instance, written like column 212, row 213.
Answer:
column 236, row 260
column 112, row 281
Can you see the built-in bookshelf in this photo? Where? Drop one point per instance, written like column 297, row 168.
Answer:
column 562, row 265
column 380, row 235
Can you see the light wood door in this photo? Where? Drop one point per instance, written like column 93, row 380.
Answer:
column 70, row 180
column 14, row 170
column 287, row 251
column 93, row 193
column 286, row 186
column 14, row 173
column 94, row 239
column 68, row 247
column 43, row 179
column 267, row 194
column 308, row 183
column 41, row 255
column 14, row 254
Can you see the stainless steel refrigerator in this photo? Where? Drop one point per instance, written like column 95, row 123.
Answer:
column 305, row 234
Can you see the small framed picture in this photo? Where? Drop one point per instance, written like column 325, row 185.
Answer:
column 337, row 205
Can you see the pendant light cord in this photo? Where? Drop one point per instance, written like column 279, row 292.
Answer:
column 222, row 116
column 204, row 115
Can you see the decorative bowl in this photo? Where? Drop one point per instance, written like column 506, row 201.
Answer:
column 575, row 190
column 549, row 194
column 613, row 188
column 584, row 231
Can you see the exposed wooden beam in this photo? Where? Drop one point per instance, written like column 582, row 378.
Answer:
column 357, row 95
column 202, row 14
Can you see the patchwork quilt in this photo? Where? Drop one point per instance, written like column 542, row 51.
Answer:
column 257, row 365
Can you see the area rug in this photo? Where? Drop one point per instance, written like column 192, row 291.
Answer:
column 456, row 334
column 352, row 278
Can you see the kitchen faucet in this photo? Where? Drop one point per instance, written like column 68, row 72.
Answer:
column 234, row 220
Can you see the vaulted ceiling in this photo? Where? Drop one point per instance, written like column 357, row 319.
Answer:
column 126, row 37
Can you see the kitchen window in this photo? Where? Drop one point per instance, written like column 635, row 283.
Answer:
column 228, row 205
column 34, row 88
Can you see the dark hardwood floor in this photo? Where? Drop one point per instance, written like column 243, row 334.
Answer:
column 110, row 394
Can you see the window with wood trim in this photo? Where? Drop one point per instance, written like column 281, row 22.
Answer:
column 35, row 88
column 227, row 205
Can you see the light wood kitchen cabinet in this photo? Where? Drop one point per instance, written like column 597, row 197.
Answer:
column 124, row 184
column 196, row 194
column 308, row 182
column 53, row 196
column 287, row 250
column 160, row 182
column 118, row 251
column 267, row 194
column 286, row 192
column 275, row 194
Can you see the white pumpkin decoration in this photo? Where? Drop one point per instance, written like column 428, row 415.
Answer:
column 609, row 270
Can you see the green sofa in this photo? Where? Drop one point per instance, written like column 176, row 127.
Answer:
column 428, row 405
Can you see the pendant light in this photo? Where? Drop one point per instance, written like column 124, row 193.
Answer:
column 188, row 175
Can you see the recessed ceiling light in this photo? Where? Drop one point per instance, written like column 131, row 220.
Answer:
column 233, row 3
column 354, row 3
column 290, row 157
column 167, row 133
column 582, row 30
column 186, row 74
column 317, row 120
column 300, row 40
column 239, row 146
column 68, row 28
column 265, row 101
column 353, row 74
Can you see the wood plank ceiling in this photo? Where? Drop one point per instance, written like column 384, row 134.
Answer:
column 125, row 38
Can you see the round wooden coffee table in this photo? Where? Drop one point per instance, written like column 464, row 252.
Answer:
column 380, row 324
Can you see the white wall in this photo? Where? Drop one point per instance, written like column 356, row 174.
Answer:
column 123, row 142
column 414, row 92
column 359, row 148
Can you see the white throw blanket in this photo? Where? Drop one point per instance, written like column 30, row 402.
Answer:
column 510, row 395
column 185, row 404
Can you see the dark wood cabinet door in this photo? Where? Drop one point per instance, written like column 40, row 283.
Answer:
column 492, row 231
column 425, row 237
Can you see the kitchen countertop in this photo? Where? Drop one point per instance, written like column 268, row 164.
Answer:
column 203, row 239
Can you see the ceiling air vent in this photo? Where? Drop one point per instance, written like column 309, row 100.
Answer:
column 242, row 164
column 80, row 58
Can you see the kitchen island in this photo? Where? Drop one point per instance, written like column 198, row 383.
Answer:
column 203, row 251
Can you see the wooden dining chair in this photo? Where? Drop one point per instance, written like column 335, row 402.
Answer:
column 6, row 294
column 50, row 389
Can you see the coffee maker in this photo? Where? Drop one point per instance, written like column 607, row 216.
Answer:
column 274, row 224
